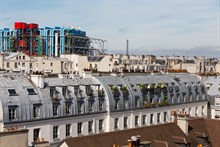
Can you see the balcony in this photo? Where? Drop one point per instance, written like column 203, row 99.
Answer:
column 115, row 91
column 124, row 91
column 101, row 93
column 90, row 94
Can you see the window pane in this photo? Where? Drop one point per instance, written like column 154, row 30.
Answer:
column 12, row 92
column 55, row 132
column 31, row 91
column 68, row 126
column 36, row 134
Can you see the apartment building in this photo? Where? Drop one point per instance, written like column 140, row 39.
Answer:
column 213, row 90
column 23, row 63
column 54, row 108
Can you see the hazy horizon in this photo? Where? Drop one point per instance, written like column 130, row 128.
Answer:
column 173, row 26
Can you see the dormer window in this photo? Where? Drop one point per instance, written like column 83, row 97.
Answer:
column 12, row 92
column 52, row 91
column 36, row 111
column 80, row 107
column 64, row 91
column 55, row 109
column 68, row 108
column 12, row 113
column 31, row 91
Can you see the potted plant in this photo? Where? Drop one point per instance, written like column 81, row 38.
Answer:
column 115, row 91
column 160, row 104
column 101, row 93
column 145, row 104
column 152, row 105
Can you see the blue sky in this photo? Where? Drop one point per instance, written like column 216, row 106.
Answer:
column 148, row 24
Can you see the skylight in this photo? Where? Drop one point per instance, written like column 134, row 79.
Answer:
column 12, row 92
column 31, row 91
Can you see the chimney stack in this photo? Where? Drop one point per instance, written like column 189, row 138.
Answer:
column 127, row 54
column 38, row 80
column 138, row 140
column 130, row 143
column 182, row 121
column 127, row 48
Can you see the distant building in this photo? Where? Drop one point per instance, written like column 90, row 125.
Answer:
column 21, row 63
column 213, row 90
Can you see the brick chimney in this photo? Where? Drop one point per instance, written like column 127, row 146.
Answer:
column 182, row 121
column 138, row 140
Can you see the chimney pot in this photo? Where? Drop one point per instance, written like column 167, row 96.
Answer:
column 130, row 143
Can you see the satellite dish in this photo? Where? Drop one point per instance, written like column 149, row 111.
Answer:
column 133, row 138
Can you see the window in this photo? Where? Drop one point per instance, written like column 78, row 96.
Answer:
column 101, row 125
column 36, row 134
column 12, row 92
column 90, row 126
column 151, row 118
column 158, row 117
column 116, row 104
column 31, row 91
column 64, row 91
column 100, row 105
column 125, row 122
column 51, row 64
column 136, row 121
column 68, row 108
column 36, row 111
column 19, row 57
column 79, row 128
column 143, row 119
column 165, row 117
column 80, row 107
column 12, row 113
column 30, row 65
column 52, row 91
column 203, row 112
column 91, row 106
column 55, row 109
column 23, row 57
column 126, row 103
column 196, row 111
column 136, row 103
column 8, row 65
column 23, row 64
column 15, row 65
column 68, row 128
column 116, row 124
column 55, row 132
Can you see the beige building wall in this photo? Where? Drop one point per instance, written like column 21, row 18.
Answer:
column 105, row 65
column 17, row 138
column 20, row 62
column 217, row 67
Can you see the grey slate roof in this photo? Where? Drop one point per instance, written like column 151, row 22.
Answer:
column 214, row 83
column 24, row 102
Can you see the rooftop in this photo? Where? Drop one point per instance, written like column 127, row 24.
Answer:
column 200, row 131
